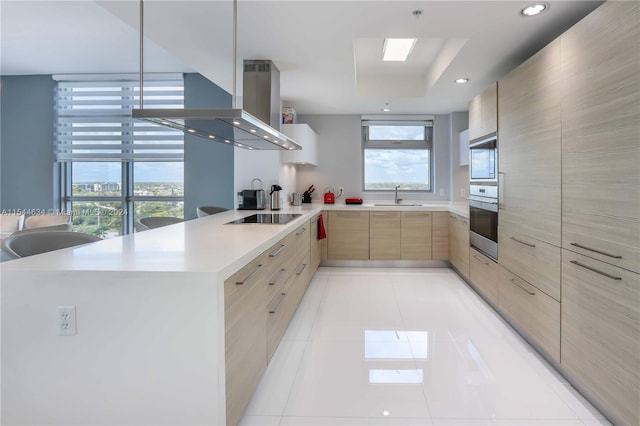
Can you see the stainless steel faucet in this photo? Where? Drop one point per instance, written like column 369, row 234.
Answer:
column 397, row 201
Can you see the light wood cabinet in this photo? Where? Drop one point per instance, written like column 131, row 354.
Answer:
column 529, row 149
column 415, row 236
column 600, row 130
column 483, row 113
column 348, row 235
column 245, row 296
column 459, row 243
column 315, row 252
column 384, row 235
column 600, row 329
column 440, row 235
column 535, row 261
column 484, row 275
column 531, row 311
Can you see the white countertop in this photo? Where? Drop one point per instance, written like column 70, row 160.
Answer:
column 207, row 244
column 458, row 207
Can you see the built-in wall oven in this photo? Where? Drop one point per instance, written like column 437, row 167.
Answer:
column 483, row 219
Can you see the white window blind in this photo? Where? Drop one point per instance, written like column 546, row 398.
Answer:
column 93, row 121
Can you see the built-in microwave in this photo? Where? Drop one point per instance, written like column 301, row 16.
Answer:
column 483, row 159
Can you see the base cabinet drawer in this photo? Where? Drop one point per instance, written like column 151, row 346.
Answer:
column 535, row 261
column 531, row 311
column 284, row 303
column 600, row 332
column 459, row 243
column 484, row 275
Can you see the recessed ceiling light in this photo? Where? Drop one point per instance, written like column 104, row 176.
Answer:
column 237, row 123
column 397, row 49
column 534, row 9
column 211, row 137
column 253, row 130
column 386, row 109
column 461, row 80
column 191, row 131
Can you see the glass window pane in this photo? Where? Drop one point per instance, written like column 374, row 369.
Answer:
column 155, row 179
column 100, row 218
column 158, row 208
column 386, row 168
column 396, row 133
column 96, row 179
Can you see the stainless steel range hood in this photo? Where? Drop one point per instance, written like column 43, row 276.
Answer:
column 261, row 81
column 231, row 126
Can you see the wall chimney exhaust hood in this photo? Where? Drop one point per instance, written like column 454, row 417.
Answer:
column 229, row 126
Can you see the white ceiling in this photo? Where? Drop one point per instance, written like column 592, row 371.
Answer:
column 325, row 49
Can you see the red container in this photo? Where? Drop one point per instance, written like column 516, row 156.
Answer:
column 329, row 197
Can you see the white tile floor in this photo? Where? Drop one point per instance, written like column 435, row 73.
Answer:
column 407, row 347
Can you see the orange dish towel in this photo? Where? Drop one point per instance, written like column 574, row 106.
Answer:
column 322, row 233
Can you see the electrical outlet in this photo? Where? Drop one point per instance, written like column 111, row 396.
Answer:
column 341, row 189
column 67, row 320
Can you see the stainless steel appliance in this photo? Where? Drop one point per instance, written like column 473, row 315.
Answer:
column 266, row 219
column 483, row 159
column 276, row 202
column 483, row 215
column 252, row 199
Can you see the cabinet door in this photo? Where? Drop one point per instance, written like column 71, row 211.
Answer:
column 600, row 329
column 384, row 236
column 348, row 235
column 600, row 128
column 529, row 147
column 459, row 243
column 484, row 275
column 475, row 118
column 245, row 295
column 415, row 236
column 489, row 109
column 440, row 235
column 315, row 244
column 531, row 311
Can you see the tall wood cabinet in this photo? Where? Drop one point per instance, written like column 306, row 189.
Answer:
column 600, row 134
column 601, row 206
column 529, row 164
column 483, row 113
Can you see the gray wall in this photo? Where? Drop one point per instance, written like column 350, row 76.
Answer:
column 208, row 166
column 26, row 143
column 340, row 158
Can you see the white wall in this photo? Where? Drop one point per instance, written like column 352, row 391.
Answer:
column 340, row 158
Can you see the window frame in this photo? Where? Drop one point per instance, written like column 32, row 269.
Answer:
column 402, row 144
column 127, row 197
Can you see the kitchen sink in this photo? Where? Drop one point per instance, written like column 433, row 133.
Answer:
column 398, row 205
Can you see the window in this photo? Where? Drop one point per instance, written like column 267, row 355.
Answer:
column 113, row 169
column 397, row 153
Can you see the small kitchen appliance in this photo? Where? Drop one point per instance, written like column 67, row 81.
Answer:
column 252, row 199
column 275, row 197
column 353, row 200
column 265, row 219
column 329, row 196
column 296, row 198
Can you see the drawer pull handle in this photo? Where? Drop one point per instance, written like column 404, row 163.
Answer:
column 519, row 286
column 251, row 275
column 575, row 262
column 348, row 214
column 277, row 252
column 463, row 221
column 479, row 259
column 416, row 214
column 301, row 231
column 304, row 266
column 453, row 217
column 384, row 214
column 596, row 251
column 522, row 242
column 275, row 308
column 278, row 278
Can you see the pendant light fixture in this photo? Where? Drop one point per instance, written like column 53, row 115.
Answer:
column 232, row 126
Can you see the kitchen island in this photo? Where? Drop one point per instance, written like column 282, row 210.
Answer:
column 150, row 319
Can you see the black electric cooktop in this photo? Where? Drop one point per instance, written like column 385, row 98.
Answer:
column 266, row 219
